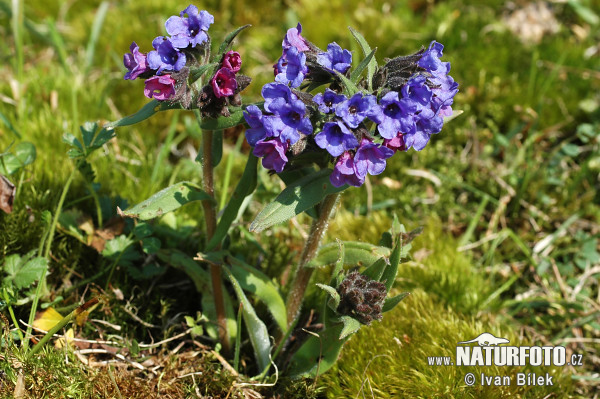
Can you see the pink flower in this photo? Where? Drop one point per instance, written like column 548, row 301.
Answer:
column 160, row 87
column 224, row 83
column 232, row 60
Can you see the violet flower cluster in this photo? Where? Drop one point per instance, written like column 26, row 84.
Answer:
column 179, row 55
column 357, row 133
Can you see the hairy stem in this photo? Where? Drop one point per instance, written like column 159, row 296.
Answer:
column 303, row 273
column 210, row 216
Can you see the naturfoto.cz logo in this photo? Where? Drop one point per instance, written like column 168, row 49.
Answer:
column 492, row 351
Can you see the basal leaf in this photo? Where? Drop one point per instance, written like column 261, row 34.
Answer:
column 295, row 199
column 167, row 200
column 318, row 354
column 257, row 331
column 183, row 261
column 255, row 281
column 245, row 187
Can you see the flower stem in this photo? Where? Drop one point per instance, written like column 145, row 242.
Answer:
column 210, row 216
column 303, row 273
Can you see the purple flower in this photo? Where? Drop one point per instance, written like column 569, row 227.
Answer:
column 370, row 157
column 232, row 60
column 327, row 101
column 430, row 61
column 254, row 117
column 160, row 87
column 165, row 56
column 397, row 115
column 273, row 153
column 444, row 87
column 335, row 59
column 354, row 110
column 294, row 39
column 135, row 62
column 344, row 172
column 224, row 83
column 291, row 67
column 190, row 30
column 428, row 122
column 336, row 138
column 395, row 144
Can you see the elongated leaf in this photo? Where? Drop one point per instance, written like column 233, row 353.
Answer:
column 220, row 123
column 375, row 271
column 259, row 284
column 390, row 303
column 144, row 113
column 196, row 73
column 355, row 254
column 217, row 148
column 335, row 297
column 257, row 331
column 371, row 68
column 349, row 87
column 389, row 274
column 183, row 261
column 337, row 275
column 245, row 187
column 167, row 200
column 295, row 199
column 317, row 354
column 351, row 325
column 229, row 39
column 209, row 309
column 455, row 113
column 355, row 75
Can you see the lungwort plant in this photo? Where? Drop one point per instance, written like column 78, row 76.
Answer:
column 323, row 126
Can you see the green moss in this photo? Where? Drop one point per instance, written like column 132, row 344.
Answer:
column 390, row 358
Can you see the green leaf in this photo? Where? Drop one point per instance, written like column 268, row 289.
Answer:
column 355, row 254
column 167, row 200
column 372, row 67
column 183, row 261
column 389, row 274
column 245, row 187
column 196, row 73
column 355, row 75
column 375, row 271
column 259, row 284
column 209, row 309
column 390, row 303
column 349, row 87
column 337, row 275
column 295, row 199
column 318, row 354
column 351, row 325
column 144, row 113
column 455, row 113
column 235, row 118
column 335, row 297
column 142, row 230
column 228, row 40
column 257, row 331
column 584, row 12
column 23, row 155
column 150, row 245
column 30, row 272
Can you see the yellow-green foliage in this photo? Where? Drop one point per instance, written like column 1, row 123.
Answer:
column 389, row 359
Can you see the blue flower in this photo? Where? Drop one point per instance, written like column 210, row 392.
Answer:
column 443, row 86
column 370, row 157
column 135, row 62
column 344, row 172
column 327, row 101
column 354, row 110
column 191, row 30
column 273, row 153
column 265, row 126
column 280, row 100
column 397, row 115
column 336, row 138
column 276, row 95
column 335, row 59
column 291, row 67
column 165, row 56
